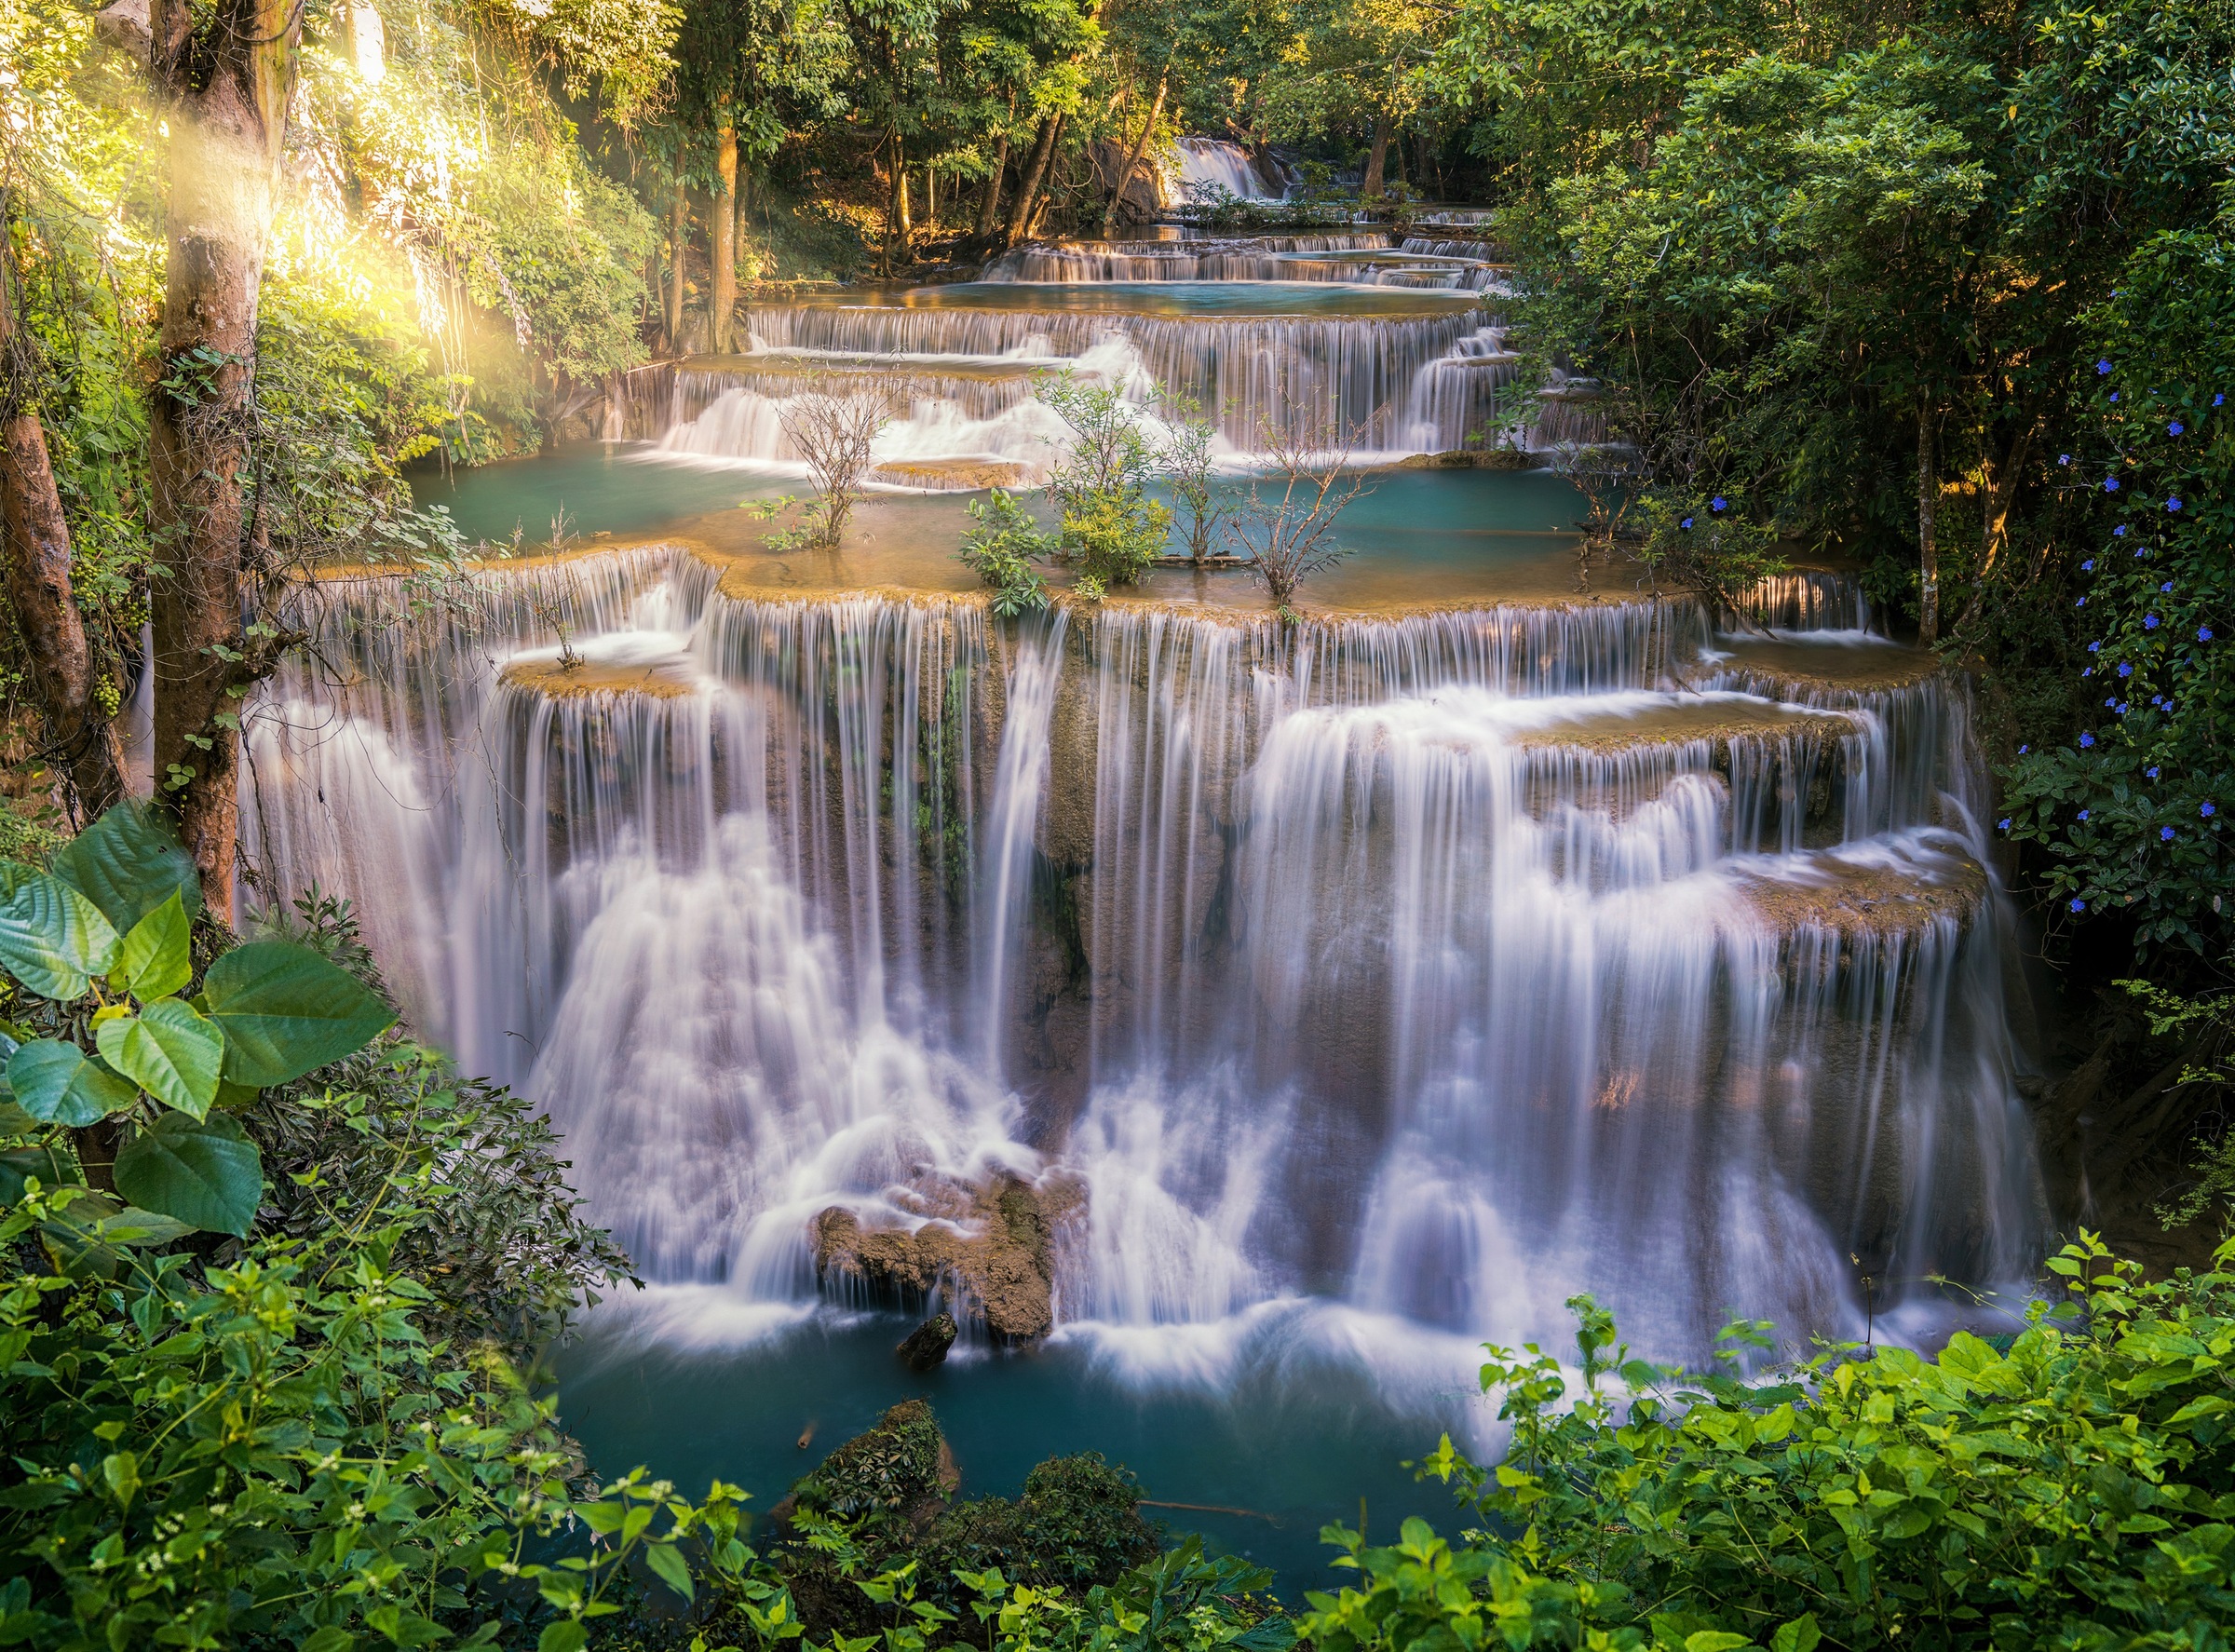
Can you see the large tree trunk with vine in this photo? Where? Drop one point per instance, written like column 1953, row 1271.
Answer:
column 1133, row 161
column 1928, row 545
column 722, row 235
column 227, row 85
column 1378, row 158
column 1036, row 174
column 79, row 737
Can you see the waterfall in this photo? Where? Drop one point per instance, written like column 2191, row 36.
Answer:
column 1431, row 968
column 1216, row 163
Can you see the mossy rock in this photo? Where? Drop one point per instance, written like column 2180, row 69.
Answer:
column 900, row 1467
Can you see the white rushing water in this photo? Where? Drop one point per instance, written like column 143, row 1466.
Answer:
column 1371, row 964
column 1382, row 982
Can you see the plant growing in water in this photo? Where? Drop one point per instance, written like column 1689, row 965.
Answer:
column 833, row 433
column 1109, row 525
column 1287, row 527
column 1001, row 550
column 1189, row 463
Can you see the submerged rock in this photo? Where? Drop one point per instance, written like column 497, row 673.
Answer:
column 990, row 1244
column 926, row 1346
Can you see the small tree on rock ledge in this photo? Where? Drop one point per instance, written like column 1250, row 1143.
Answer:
column 1286, row 528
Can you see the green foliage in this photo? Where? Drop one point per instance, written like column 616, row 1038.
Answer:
column 268, row 1013
column 2070, row 1490
column 886, row 1470
column 1078, row 1523
column 1708, row 545
column 2128, row 808
column 1001, row 547
column 1187, row 461
column 1109, row 524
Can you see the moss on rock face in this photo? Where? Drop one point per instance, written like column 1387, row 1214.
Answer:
column 900, row 1467
column 1077, row 1525
column 991, row 1244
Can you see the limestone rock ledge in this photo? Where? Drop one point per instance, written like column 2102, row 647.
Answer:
column 991, row 1244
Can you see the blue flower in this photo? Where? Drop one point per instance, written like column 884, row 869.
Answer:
column 2063, row 458
column 2164, row 834
column 2149, row 622
column 2203, row 633
column 2151, row 771
column 2118, row 531
column 2083, row 813
column 2094, row 647
column 2122, row 707
column 2114, row 394
column 2126, row 670
column 2023, row 749
column 2077, row 904
column 2112, row 702
column 2110, row 484
column 2173, row 504
column 2218, row 399
column 1718, row 503
column 2082, row 603
column 2175, row 428
column 2005, row 824
column 2103, row 366
column 1686, row 523
column 2166, row 587
column 2156, row 699
column 2087, row 566
column 2089, row 672
column 2209, row 810
column 2085, row 742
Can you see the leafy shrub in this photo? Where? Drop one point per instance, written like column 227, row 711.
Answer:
column 1708, row 545
column 1077, row 1525
column 2071, row 1491
column 2128, row 807
column 1001, row 549
column 1109, row 524
column 888, row 1470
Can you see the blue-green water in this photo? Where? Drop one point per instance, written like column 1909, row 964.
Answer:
column 1291, row 1441
column 1415, row 535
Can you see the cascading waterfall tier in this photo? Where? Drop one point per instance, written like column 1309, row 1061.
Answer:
column 1438, row 967
column 960, row 380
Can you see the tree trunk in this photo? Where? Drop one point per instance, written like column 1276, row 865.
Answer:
column 723, row 232
column 897, row 227
column 679, row 245
column 1036, row 174
column 931, row 200
column 1047, row 191
column 228, row 88
column 79, row 737
column 1928, row 549
column 989, row 204
column 1133, row 161
column 1378, row 158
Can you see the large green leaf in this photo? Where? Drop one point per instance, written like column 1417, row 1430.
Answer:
column 52, row 938
column 56, row 1084
column 204, row 1171
column 167, row 1050
column 286, row 1011
column 157, row 957
column 127, row 863
column 49, row 1164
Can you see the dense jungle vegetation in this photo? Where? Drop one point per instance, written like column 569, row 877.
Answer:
column 1943, row 289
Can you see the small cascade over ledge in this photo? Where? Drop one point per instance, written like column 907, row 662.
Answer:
column 1435, row 967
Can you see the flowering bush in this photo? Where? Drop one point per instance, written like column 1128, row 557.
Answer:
column 2132, row 811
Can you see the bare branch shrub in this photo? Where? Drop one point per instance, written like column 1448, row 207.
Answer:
column 834, row 432
column 1286, row 528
